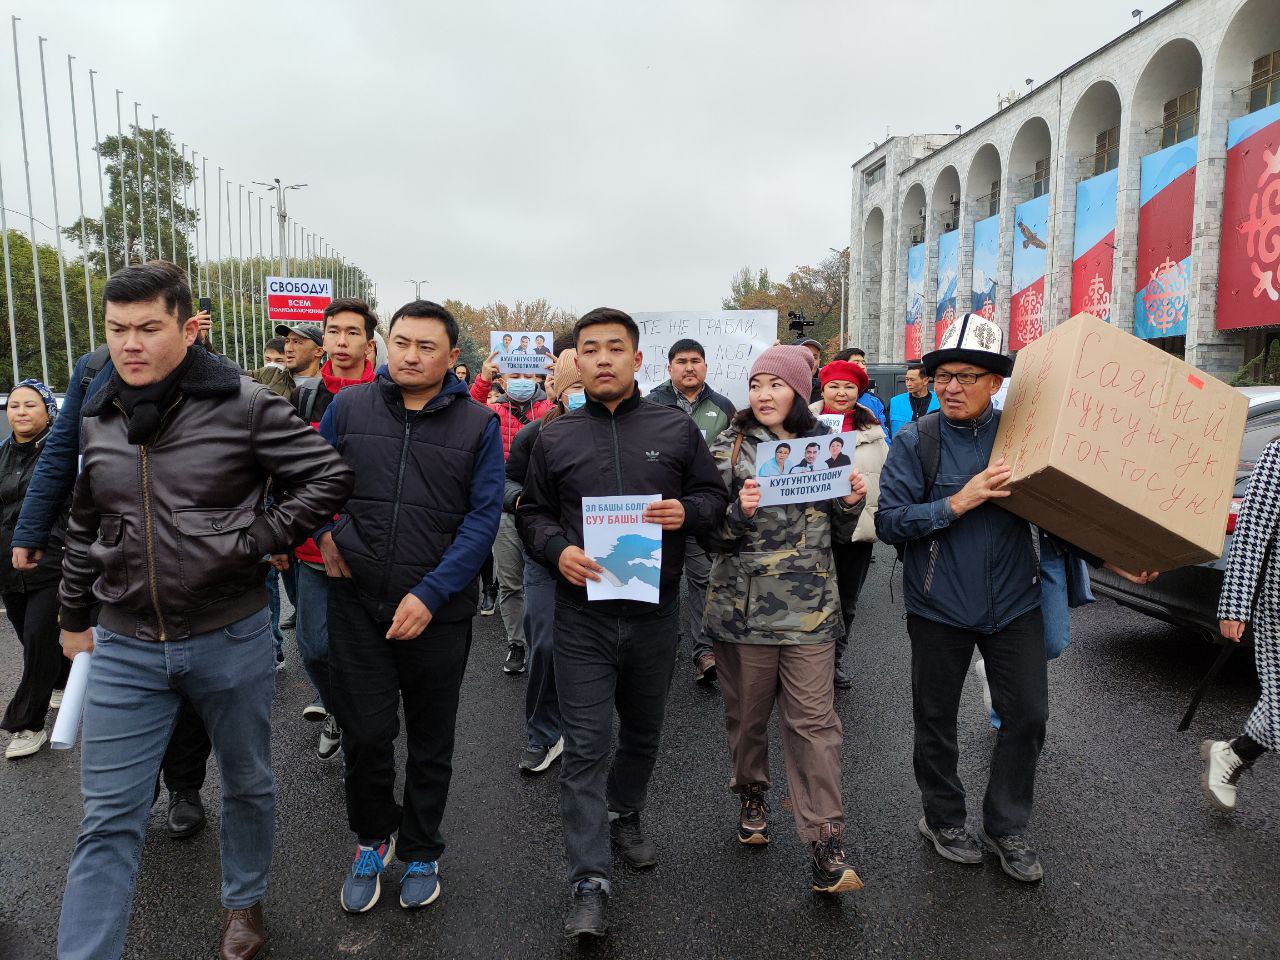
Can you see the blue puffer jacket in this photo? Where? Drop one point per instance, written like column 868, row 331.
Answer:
column 976, row 572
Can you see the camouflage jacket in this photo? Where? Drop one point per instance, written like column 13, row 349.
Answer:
column 778, row 584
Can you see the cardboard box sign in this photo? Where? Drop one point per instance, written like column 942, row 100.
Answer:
column 1120, row 448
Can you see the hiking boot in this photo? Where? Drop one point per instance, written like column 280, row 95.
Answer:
column 753, row 825
column 515, row 662
column 1017, row 857
column 1222, row 769
column 637, row 850
column 954, row 843
column 587, row 914
column 704, row 667
column 831, row 871
column 420, row 884
column 361, row 889
column 537, row 759
column 24, row 743
column 330, row 738
column 488, row 602
column 186, row 814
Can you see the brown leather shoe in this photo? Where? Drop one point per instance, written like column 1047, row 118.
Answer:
column 243, row 934
column 705, row 668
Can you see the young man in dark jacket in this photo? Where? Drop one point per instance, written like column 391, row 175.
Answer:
column 172, row 551
column 617, row 652
column 687, row 390
column 402, row 558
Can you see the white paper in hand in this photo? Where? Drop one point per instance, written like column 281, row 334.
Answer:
column 67, row 726
column 629, row 550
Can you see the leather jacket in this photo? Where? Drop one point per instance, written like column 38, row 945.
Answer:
column 171, row 536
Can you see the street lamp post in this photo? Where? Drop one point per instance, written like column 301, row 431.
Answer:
column 417, row 287
column 282, row 215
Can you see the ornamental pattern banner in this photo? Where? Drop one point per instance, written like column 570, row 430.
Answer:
column 948, row 276
column 1094, row 246
column 1162, row 299
column 1030, row 246
column 915, row 301
column 1249, row 269
column 986, row 261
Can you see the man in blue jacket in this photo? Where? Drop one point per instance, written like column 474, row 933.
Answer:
column 403, row 557
column 918, row 400
column 971, row 577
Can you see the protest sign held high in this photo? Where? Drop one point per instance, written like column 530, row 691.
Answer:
column 732, row 338
column 298, row 299
column 628, row 549
column 805, row 469
column 520, row 351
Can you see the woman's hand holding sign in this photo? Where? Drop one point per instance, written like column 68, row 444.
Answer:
column 749, row 498
column 857, row 487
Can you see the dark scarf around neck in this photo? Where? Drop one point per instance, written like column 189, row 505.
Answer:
column 144, row 406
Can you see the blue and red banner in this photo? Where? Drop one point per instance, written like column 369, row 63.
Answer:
column 1094, row 249
column 948, row 276
column 986, row 263
column 1249, row 270
column 1030, row 245
column 915, row 301
column 1165, row 221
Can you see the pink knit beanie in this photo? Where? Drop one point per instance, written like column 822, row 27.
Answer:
column 792, row 365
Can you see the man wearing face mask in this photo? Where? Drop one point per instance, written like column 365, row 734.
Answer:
column 521, row 401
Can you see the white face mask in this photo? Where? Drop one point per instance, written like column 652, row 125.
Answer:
column 276, row 364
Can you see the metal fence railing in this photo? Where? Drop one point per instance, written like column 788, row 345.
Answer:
column 139, row 194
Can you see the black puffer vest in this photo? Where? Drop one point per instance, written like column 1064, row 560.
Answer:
column 413, row 488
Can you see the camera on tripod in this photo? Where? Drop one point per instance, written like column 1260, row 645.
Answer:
column 797, row 323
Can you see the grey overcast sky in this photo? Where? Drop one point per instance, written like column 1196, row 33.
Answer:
column 586, row 152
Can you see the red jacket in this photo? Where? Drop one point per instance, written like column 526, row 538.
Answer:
column 511, row 416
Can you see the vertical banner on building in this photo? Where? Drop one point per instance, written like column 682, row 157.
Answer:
column 1165, row 221
column 1094, row 250
column 986, row 264
column 948, row 275
column 915, row 301
column 1249, row 271
column 1030, row 245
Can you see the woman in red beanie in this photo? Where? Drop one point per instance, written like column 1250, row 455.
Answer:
column 843, row 384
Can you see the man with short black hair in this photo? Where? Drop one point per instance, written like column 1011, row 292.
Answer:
column 612, row 653
column 303, row 349
column 403, row 557
column 686, row 389
column 170, row 553
column 915, row 402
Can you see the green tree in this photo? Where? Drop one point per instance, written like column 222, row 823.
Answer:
column 814, row 291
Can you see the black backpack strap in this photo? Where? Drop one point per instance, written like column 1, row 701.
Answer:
column 307, row 394
column 929, row 449
column 97, row 360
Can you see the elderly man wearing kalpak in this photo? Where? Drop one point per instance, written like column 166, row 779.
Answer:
column 173, row 552
column 970, row 578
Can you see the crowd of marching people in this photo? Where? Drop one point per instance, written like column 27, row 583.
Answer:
column 391, row 495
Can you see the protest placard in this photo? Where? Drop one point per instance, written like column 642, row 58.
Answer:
column 834, row 421
column 519, row 351
column 298, row 299
column 627, row 548
column 805, row 469
column 731, row 338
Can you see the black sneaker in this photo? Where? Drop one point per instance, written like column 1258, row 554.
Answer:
column 587, row 915
column 637, row 850
column 955, row 843
column 186, row 814
column 515, row 662
column 488, row 602
column 831, row 871
column 1017, row 857
column 843, row 680
column 537, row 759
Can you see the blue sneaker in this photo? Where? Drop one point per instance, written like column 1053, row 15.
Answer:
column 361, row 889
column 420, row 884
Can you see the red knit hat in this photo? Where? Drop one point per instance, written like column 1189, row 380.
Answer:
column 790, row 364
column 845, row 370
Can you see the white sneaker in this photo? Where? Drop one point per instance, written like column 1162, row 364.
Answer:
column 330, row 738
column 980, row 671
column 55, row 700
column 1223, row 767
column 25, row 743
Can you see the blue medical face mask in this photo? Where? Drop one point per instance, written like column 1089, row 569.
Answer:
column 521, row 390
column 575, row 400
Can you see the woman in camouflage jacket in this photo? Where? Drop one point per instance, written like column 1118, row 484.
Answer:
column 773, row 613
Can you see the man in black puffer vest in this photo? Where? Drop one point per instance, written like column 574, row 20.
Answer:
column 403, row 557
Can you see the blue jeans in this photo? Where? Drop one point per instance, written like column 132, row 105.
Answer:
column 541, row 705
column 135, row 687
column 273, row 607
column 313, row 627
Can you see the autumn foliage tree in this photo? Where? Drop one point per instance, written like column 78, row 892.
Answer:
column 475, row 323
column 814, row 291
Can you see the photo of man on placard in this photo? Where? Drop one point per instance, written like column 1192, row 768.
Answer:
column 810, row 462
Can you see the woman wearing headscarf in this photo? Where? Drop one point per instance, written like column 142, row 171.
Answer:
column 843, row 384
column 30, row 599
column 773, row 614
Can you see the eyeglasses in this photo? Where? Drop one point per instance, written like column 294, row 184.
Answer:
column 942, row 378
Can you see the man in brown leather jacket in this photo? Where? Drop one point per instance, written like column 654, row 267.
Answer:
column 167, row 536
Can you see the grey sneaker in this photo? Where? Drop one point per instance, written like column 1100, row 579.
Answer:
column 1017, row 857
column 954, row 843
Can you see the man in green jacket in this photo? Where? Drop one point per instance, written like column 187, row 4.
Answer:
column 687, row 390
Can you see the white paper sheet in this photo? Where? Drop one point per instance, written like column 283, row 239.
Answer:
column 67, row 727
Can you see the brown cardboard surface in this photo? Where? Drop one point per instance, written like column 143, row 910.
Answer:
column 1120, row 448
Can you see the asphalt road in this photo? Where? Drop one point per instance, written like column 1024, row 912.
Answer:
column 1137, row 865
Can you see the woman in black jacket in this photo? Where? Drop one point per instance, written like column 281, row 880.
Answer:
column 30, row 599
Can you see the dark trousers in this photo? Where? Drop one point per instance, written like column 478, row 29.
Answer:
column 186, row 758
column 603, row 663
column 852, row 560
column 1018, row 673
column 34, row 616
column 370, row 675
